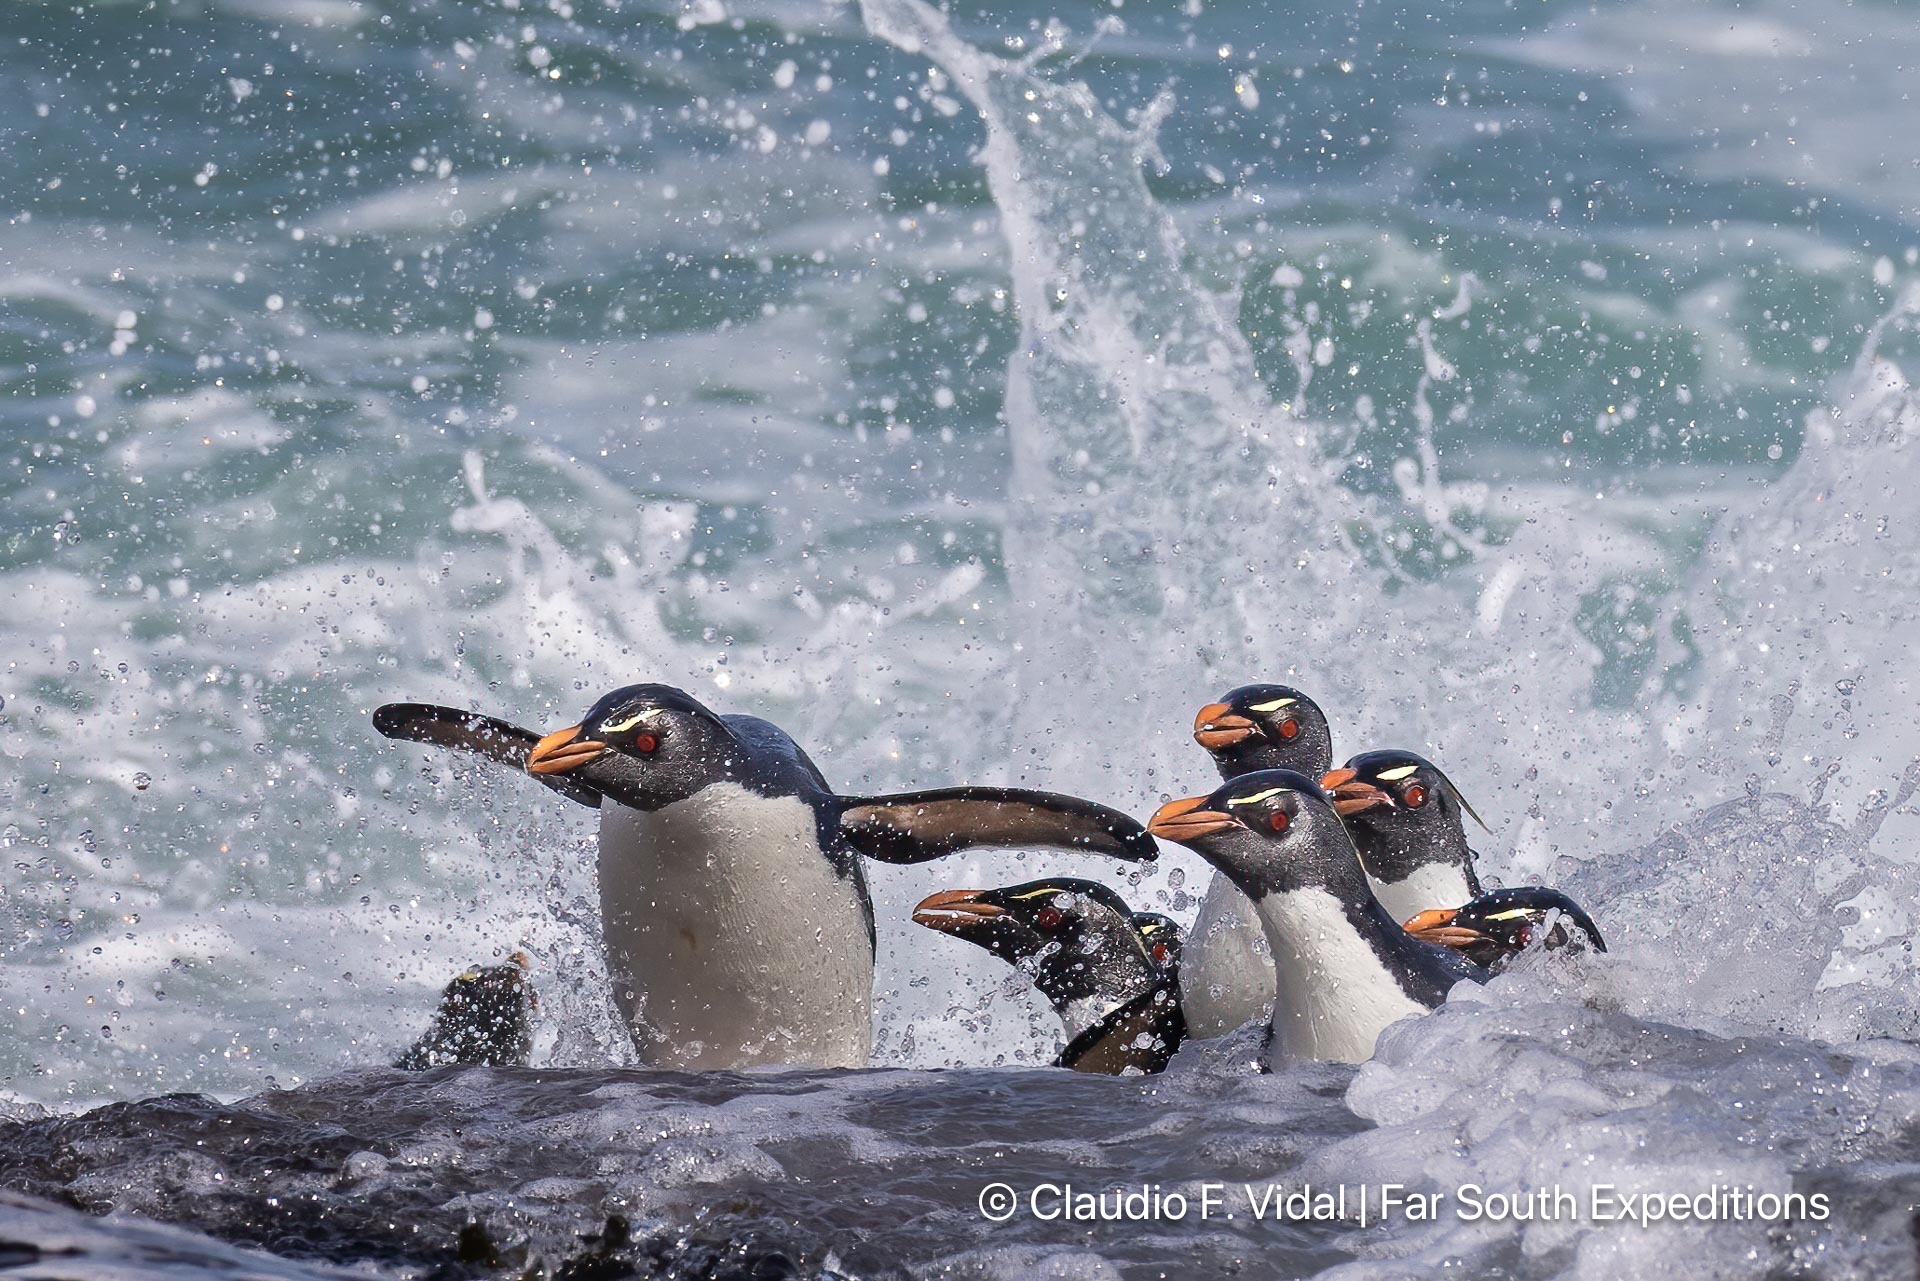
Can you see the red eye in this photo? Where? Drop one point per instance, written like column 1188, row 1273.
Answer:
column 1289, row 729
column 1414, row 796
column 646, row 742
column 1049, row 918
column 1160, row 953
column 1278, row 821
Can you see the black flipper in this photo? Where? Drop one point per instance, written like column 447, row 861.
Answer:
column 913, row 827
column 487, row 736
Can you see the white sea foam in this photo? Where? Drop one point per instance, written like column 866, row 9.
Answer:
column 283, row 895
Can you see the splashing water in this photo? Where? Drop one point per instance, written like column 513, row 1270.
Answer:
column 217, row 884
column 1134, row 388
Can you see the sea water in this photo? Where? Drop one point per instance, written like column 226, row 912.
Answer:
column 975, row 394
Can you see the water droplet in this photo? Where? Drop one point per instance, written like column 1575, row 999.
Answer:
column 142, row 781
column 1845, row 687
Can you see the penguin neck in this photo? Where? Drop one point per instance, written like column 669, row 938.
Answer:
column 1392, row 855
column 1428, row 886
column 1085, row 990
column 1140, row 1034
column 1309, row 755
column 1338, row 896
column 1332, row 866
column 1352, row 901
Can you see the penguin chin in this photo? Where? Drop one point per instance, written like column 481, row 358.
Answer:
column 1245, row 876
column 621, row 778
column 1002, row 936
column 1234, row 855
column 646, row 786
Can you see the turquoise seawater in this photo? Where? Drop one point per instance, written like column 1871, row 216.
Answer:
column 499, row 353
column 976, row 393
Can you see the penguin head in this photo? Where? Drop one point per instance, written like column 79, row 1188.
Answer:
column 485, row 1017
column 645, row 746
column 1161, row 937
column 502, row 988
column 1403, row 811
column 1075, row 938
column 1258, row 727
column 1268, row 832
column 1503, row 922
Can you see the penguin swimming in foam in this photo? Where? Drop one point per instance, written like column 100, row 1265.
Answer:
column 1226, row 977
column 737, row 922
column 1408, row 821
column 1343, row 968
column 1497, row 926
column 1410, row 831
column 1112, row 978
column 485, row 1018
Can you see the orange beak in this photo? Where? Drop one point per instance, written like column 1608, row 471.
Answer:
column 1350, row 795
column 952, row 911
column 1435, row 925
column 561, row 751
column 1184, row 820
column 1219, row 726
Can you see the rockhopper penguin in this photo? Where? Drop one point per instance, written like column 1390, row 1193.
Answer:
column 485, row 1018
column 1117, row 994
column 737, row 922
column 1494, row 928
column 1412, row 836
column 1408, row 821
column 1343, row 968
column 1161, row 934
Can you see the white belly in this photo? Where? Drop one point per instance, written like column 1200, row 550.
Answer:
column 1226, row 970
column 1335, row 996
column 730, row 940
column 1435, row 885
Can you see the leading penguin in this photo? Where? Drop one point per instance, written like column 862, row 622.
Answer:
column 1343, row 968
column 736, row 917
column 1499, row 925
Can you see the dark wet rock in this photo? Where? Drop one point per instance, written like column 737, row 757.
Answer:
column 597, row 1175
